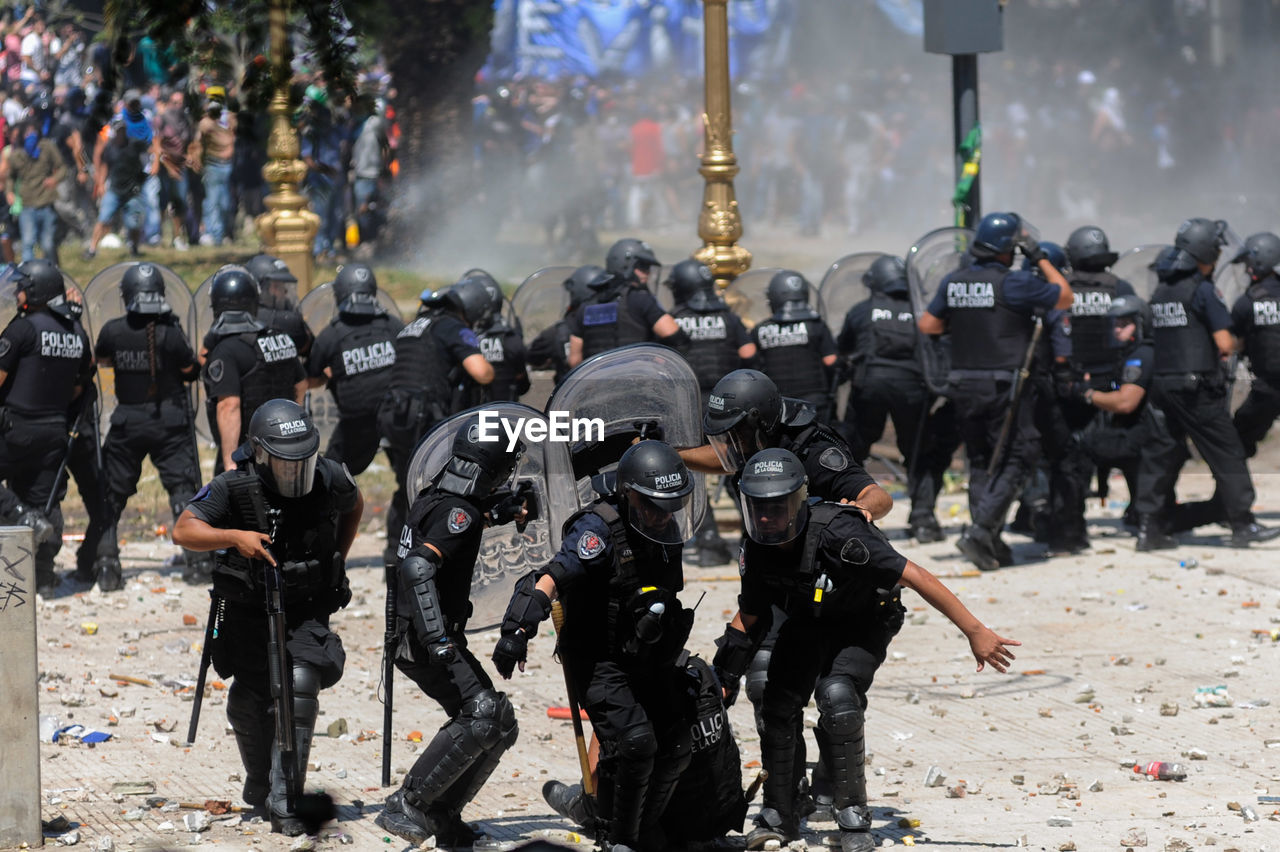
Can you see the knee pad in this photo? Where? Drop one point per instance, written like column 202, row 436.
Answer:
column 758, row 675
column 638, row 743
column 839, row 706
column 306, row 692
column 490, row 718
column 246, row 709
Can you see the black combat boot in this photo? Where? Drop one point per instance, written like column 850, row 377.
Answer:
column 771, row 825
column 977, row 546
column 1243, row 535
column 1151, row 536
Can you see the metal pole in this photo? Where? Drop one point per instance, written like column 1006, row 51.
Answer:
column 964, row 104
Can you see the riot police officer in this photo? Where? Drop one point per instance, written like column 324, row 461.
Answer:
column 621, row 311
column 247, row 364
column 277, row 305
column 502, row 345
column 1192, row 334
column 439, row 547
column 354, row 355
column 1255, row 318
column 878, row 343
column 835, row 578
column 618, row 573
column 550, row 349
column 989, row 308
column 45, row 365
column 152, row 361
column 718, row 344
column 433, row 355
column 283, row 513
column 1131, row 435
column 796, row 349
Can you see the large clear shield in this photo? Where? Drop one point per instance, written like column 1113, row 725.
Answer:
column 1231, row 280
column 201, row 322
column 1134, row 266
column 9, row 296
column 507, row 553
column 746, row 296
column 842, row 288
column 541, row 299
column 318, row 309
column 630, row 391
column 935, row 256
column 104, row 302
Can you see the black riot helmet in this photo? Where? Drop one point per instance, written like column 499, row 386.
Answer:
column 774, row 492
column 1131, row 307
column 996, row 234
column 886, row 274
column 626, row 256
column 1052, row 253
column 355, row 290
column 579, row 283
column 1202, row 238
column 744, row 411
column 44, row 287
column 1260, row 255
column 479, row 462
column 788, row 296
column 286, row 445
column 688, row 278
column 1088, row 250
column 142, row 288
column 274, row 280
column 657, row 487
column 1172, row 264
column 234, row 288
column 493, row 293
column 467, row 299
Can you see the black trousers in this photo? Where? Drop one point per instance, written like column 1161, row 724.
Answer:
column 31, row 450
column 354, row 442
column 1196, row 407
column 981, row 406
column 1142, row 449
column 1060, row 424
column 1259, row 410
column 82, row 466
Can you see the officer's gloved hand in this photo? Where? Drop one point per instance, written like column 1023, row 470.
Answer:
column 729, row 684
column 512, row 648
column 1068, row 383
column 1031, row 248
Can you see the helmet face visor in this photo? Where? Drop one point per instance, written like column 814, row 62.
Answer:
column 664, row 520
column 290, row 478
column 775, row 520
column 736, row 444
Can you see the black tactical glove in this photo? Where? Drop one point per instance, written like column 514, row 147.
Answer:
column 512, row 649
column 729, row 684
column 1031, row 249
column 734, row 650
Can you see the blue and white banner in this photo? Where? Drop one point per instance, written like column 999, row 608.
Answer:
column 565, row 38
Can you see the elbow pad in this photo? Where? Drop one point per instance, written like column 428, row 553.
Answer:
column 529, row 607
column 418, row 590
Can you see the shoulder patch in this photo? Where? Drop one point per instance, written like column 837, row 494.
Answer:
column 1132, row 372
column 459, row 519
column 201, row 494
column 5, row 346
column 833, row 458
column 469, row 337
column 216, row 369
column 590, row 545
column 855, row 552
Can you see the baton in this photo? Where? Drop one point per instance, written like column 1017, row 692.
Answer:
column 557, row 619
column 1020, row 382
column 388, row 673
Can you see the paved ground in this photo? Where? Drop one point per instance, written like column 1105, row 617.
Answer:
column 1113, row 642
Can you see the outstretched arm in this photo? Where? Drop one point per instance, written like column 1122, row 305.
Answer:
column 987, row 647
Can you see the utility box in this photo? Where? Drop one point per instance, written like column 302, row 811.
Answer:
column 960, row 27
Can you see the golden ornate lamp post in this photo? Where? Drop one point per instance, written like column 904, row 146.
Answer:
column 719, row 222
column 289, row 229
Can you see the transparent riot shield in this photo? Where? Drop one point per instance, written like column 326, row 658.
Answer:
column 541, row 299
column 318, row 309
column 1134, row 266
column 9, row 296
column 1231, row 280
column 200, row 323
column 507, row 553
column 934, row 256
column 746, row 296
column 633, row 391
column 103, row 302
column 842, row 288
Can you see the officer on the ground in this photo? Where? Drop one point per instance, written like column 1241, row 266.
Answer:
column 796, row 349
column 1131, row 435
column 152, row 361
column 502, row 345
column 550, row 349
column 618, row 573
column 718, row 344
column 433, row 354
column 989, row 310
column 354, row 355
column 277, row 307
column 247, row 364
column 1255, row 319
column 1192, row 338
column 439, row 547
column 621, row 310
column 45, row 366
column 836, row 579
column 313, row 510
column 878, row 342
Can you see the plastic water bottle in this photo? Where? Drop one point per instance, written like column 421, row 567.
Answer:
column 1189, row 562
column 1162, row 770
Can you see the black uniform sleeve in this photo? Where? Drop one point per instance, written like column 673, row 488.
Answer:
column 644, row 306
column 1206, row 303
column 459, row 341
column 1242, row 316
column 87, row 365
column 17, row 341
column 857, row 550
column 341, row 485
column 228, row 361
column 452, row 527
column 177, row 349
column 738, row 334
column 754, row 597
column 833, row 474
column 1138, row 367
column 855, row 325
column 322, row 352
column 574, row 322
column 541, row 353
column 105, row 348
column 212, row 504
column 1124, row 288
column 824, row 343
